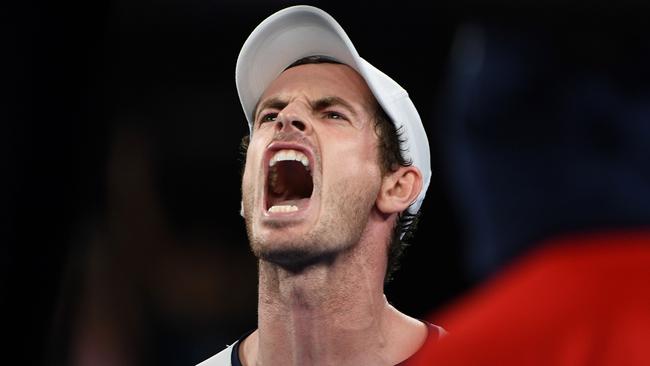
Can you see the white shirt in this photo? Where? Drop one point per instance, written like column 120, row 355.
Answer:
column 220, row 359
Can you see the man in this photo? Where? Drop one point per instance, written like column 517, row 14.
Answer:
column 330, row 187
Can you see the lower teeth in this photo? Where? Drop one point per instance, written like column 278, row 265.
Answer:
column 285, row 208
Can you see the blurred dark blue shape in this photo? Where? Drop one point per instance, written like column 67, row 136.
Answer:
column 545, row 132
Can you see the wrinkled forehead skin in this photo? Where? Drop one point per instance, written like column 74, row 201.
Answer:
column 333, row 82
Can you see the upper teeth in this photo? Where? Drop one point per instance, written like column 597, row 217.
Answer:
column 283, row 155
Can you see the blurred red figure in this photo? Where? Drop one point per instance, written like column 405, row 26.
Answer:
column 546, row 148
column 581, row 300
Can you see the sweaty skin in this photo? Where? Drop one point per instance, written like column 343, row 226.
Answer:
column 342, row 144
column 322, row 264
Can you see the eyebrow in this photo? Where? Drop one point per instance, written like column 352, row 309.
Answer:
column 273, row 103
column 317, row 105
column 326, row 102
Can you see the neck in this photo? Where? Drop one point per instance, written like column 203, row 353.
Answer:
column 330, row 314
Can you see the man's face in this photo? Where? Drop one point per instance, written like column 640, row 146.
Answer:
column 312, row 174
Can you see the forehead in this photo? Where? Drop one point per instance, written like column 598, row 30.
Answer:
column 319, row 80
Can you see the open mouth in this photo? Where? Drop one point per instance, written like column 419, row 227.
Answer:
column 289, row 183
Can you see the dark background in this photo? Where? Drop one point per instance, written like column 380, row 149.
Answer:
column 122, row 242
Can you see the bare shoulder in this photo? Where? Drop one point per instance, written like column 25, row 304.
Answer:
column 405, row 334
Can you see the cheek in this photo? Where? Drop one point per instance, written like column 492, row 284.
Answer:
column 252, row 166
column 355, row 158
column 246, row 178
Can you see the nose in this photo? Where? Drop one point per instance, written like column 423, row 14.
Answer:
column 293, row 116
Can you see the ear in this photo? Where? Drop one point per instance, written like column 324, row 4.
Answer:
column 399, row 189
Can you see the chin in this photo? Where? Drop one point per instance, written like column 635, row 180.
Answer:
column 296, row 260
column 295, row 251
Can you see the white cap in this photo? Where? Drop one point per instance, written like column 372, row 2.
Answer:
column 302, row 31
